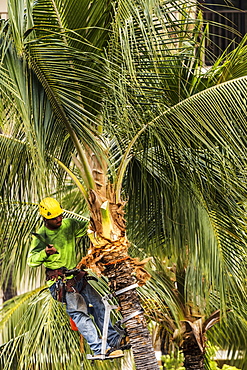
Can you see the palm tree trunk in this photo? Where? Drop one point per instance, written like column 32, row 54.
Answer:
column 9, row 290
column 108, row 255
column 193, row 356
column 123, row 271
column 194, row 340
column 120, row 276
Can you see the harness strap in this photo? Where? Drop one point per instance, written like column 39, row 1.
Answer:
column 62, row 273
column 54, row 274
column 62, row 283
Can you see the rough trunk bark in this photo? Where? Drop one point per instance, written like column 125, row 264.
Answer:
column 120, row 276
column 123, row 271
column 194, row 340
column 193, row 356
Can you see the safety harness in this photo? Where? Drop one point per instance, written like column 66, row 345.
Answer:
column 66, row 280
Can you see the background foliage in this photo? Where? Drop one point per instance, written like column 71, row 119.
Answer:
column 125, row 79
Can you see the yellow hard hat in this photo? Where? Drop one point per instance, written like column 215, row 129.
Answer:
column 50, row 208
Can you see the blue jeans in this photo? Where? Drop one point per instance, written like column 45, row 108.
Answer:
column 77, row 306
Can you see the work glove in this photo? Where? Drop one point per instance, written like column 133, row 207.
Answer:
column 49, row 250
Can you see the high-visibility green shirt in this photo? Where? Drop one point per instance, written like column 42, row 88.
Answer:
column 63, row 239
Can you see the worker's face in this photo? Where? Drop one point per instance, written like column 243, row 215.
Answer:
column 54, row 223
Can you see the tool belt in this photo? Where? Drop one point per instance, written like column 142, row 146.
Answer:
column 54, row 274
column 71, row 283
column 63, row 284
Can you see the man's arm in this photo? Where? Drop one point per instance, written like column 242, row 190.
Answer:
column 36, row 256
column 39, row 254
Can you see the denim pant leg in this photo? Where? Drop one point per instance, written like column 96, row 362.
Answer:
column 77, row 309
column 93, row 297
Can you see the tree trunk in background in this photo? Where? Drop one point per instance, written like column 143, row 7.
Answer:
column 193, row 356
column 9, row 291
column 194, row 340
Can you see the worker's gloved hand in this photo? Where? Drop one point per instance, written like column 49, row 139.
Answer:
column 49, row 250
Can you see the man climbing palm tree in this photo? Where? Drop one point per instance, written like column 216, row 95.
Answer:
column 54, row 247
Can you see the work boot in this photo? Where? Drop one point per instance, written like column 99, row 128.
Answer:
column 114, row 353
column 123, row 344
column 124, row 341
